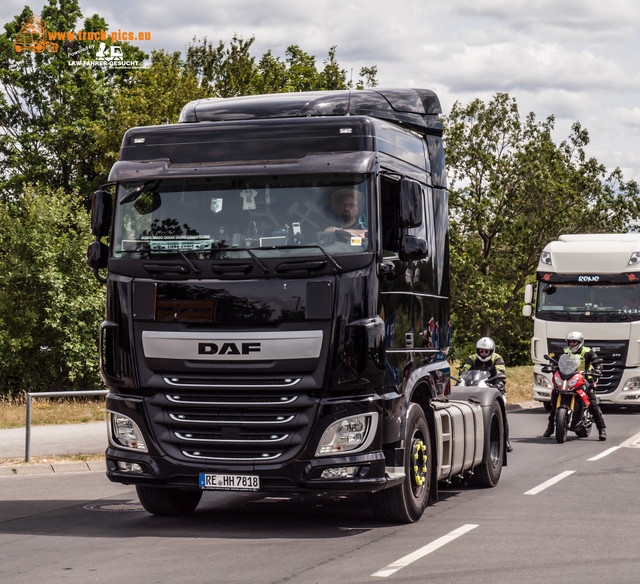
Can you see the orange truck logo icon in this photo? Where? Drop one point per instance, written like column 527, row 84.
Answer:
column 33, row 37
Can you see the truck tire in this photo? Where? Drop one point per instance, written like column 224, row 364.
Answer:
column 562, row 424
column 405, row 503
column 488, row 473
column 161, row 501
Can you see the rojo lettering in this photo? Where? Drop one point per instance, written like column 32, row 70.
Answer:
column 228, row 348
column 588, row 278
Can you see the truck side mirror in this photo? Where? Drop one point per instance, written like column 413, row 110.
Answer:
column 97, row 255
column 101, row 208
column 410, row 204
column 412, row 248
column 527, row 310
column 528, row 294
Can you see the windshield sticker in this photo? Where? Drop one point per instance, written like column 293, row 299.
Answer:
column 180, row 245
column 248, row 200
column 216, row 205
column 355, row 240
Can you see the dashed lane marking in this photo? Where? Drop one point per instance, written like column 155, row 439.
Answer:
column 603, row 454
column 423, row 551
column 550, row 482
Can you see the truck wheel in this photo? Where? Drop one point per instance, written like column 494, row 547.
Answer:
column 562, row 425
column 406, row 502
column 488, row 473
column 160, row 501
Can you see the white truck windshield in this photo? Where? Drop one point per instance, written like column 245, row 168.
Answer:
column 593, row 302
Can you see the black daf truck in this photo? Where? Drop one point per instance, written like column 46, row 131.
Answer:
column 277, row 313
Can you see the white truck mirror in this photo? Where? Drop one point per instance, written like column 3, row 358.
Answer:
column 528, row 294
column 526, row 310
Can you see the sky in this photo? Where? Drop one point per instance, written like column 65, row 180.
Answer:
column 574, row 59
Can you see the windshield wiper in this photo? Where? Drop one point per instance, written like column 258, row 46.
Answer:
column 193, row 267
column 258, row 261
column 133, row 194
column 331, row 259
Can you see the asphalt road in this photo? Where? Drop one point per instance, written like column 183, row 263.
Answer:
column 561, row 513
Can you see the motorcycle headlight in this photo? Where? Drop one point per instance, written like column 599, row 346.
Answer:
column 572, row 382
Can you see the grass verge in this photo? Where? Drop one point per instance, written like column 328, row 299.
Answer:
column 54, row 411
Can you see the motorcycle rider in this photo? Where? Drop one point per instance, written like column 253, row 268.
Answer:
column 589, row 362
column 486, row 359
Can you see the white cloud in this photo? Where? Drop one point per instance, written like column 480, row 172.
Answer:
column 575, row 59
column 629, row 116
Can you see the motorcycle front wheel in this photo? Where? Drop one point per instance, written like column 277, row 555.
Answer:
column 562, row 424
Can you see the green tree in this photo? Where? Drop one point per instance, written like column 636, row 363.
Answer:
column 512, row 191
column 231, row 70
column 368, row 77
column 51, row 109
column 50, row 306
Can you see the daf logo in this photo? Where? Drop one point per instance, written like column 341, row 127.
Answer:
column 588, row 278
column 228, row 348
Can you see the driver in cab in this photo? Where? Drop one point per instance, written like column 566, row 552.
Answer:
column 347, row 206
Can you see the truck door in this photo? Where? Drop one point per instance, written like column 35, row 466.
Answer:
column 396, row 295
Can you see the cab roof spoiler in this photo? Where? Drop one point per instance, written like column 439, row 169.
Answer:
column 415, row 109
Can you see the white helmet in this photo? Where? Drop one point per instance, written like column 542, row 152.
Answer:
column 485, row 344
column 575, row 337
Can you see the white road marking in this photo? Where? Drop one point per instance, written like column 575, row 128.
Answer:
column 423, row 551
column 550, row 482
column 603, row 454
column 633, row 442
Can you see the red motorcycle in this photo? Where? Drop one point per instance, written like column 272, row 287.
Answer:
column 572, row 403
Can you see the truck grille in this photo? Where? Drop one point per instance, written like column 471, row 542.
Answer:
column 613, row 355
column 232, row 423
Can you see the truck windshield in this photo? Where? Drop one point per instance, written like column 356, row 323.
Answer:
column 593, row 302
column 272, row 217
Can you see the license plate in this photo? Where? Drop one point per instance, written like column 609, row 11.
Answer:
column 227, row 482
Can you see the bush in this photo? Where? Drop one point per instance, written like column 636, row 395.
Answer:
column 50, row 304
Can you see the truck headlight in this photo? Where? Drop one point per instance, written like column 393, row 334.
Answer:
column 348, row 435
column 632, row 384
column 542, row 381
column 124, row 433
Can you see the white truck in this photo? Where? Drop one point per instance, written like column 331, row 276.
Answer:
column 589, row 283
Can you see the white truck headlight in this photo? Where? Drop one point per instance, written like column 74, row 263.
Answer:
column 542, row 381
column 632, row 384
column 124, row 433
column 348, row 435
